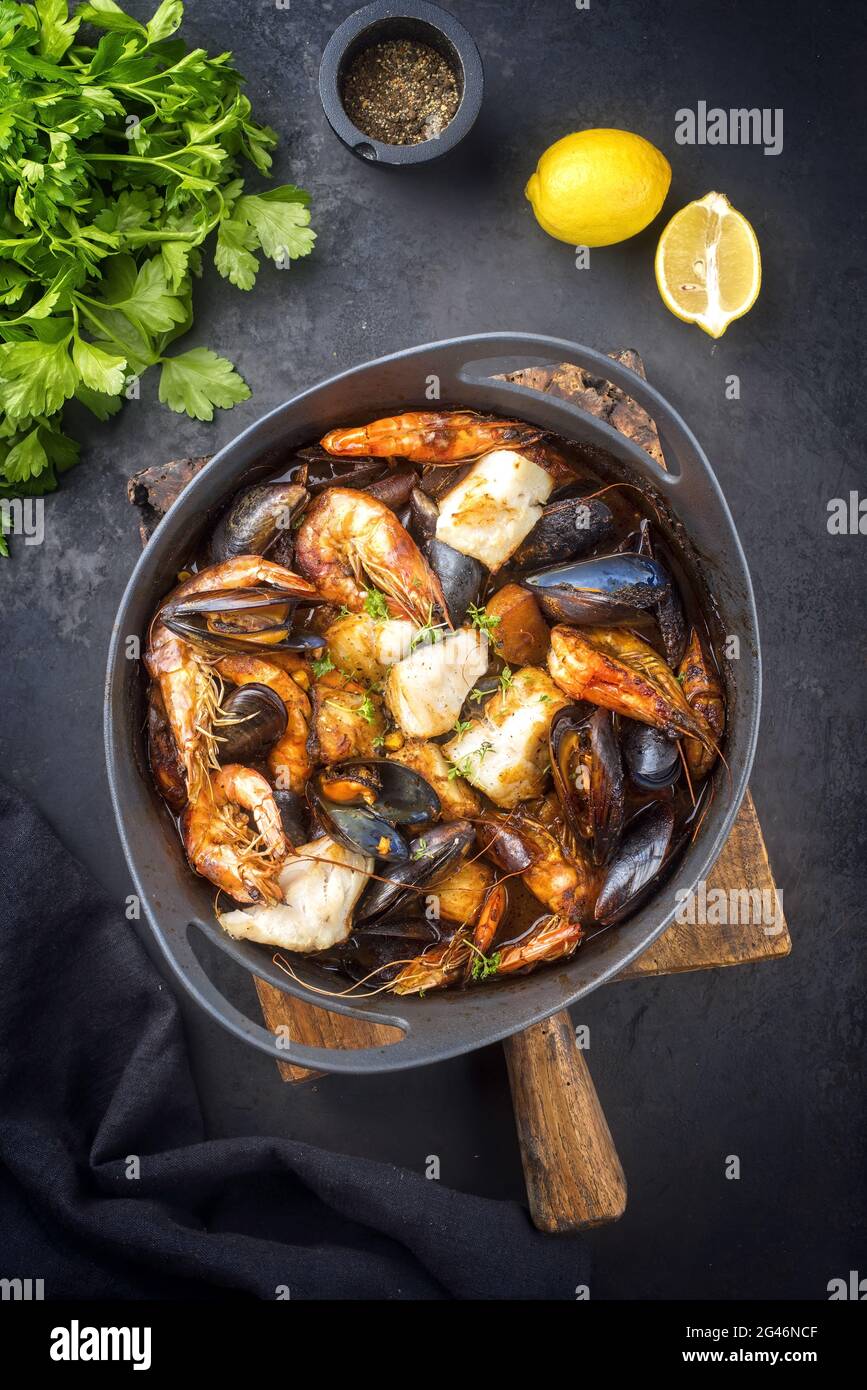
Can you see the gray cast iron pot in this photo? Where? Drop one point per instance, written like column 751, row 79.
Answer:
column 178, row 904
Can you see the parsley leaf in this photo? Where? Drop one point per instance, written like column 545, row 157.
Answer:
column 321, row 665
column 197, row 380
column 279, row 219
column 375, row 604
column 35, row 377
column 481, row 619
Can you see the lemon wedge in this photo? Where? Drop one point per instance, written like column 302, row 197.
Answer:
column 708, row 265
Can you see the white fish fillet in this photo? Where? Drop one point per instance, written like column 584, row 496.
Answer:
column 504, row 753
column 426, row 690
column 318, row 897
column 496, row 505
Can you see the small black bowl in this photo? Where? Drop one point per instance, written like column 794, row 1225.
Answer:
column 379, row 23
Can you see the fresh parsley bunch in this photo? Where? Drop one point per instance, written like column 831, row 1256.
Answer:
column 117, row 161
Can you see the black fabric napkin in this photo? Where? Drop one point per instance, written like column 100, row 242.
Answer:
column 94, row 1068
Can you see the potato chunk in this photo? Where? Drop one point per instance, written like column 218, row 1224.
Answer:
column 504, row 753
column 426, row 690
column 461, row 897
column 494, row 507
column 521, row 636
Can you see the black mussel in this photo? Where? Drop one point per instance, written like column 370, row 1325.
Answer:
column 252, row 718
column 373, row 796
column 394, row 792
column 424, row 517
column 251, row 620
column 588, row 776
column 608, row 589
column 652, row 759
column 645, row 853
column 404, row 797
column 322, row 470
column 350, row 784
column 257, row 521
column 361, row 829
column 433, row 856
column 565, row 529
column 668, row 611
column 395, row 488
column 461, row 576
column 294, row 817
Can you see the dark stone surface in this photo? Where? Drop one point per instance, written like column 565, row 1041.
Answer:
column 762, row 1061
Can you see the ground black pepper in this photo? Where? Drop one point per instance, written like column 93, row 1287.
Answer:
column 400, row 92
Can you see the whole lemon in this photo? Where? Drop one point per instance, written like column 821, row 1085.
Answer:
column 598, row 186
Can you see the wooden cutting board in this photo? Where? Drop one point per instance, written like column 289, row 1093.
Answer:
column 574, row 1177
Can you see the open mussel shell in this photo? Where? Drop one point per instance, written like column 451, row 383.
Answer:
column 588, row 776
column 350, row 784
column 652, row 759
column 645, row 853
column 373, row 796
column 240, row 620
column 402, row 797
column 434, row 855
column 360, row 829
column 669, row 612
column 608, row 589
column 564, row 530
column 252, row 718
column 259, row 522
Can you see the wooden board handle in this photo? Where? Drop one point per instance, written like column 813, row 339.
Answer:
column 574, row 1176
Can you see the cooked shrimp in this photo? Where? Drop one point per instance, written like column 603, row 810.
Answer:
column 564, row 880
column 347, row 535
column 612, row 667
column 442, row 965
column 222, row 845
column 288, row 760
column 430, row 436
column 551, row 939
column 491, row 917
column 704, row 694
column 190, row 693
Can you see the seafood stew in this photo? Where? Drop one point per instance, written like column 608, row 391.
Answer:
column 438, row 703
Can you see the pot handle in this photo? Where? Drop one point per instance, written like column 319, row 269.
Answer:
column 178, row 951
column 508, row 352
